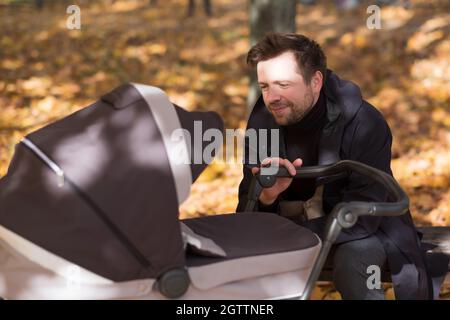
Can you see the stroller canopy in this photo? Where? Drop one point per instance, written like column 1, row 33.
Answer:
column 101, row 187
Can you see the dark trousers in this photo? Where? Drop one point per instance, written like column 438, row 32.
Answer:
column 350, row 268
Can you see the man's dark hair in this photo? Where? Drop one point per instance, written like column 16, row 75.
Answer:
column 308, row 53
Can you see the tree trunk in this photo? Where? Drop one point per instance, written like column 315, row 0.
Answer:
column 206, row 6
column 39, row 4
column 268, row 16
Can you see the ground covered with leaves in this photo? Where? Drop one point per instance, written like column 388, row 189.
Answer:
column 47, row 72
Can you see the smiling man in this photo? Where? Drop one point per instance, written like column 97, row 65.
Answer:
column 323, row 119
column 288, row 96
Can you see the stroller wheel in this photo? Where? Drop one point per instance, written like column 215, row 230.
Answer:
column 173, row 283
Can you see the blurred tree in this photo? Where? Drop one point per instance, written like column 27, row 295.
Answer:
column 268, row 16
column 206, row 7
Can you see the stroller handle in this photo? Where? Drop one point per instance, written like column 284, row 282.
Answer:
column 345, row 214
column 399, row 207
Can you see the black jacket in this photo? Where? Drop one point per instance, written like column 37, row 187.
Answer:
column 355, row 130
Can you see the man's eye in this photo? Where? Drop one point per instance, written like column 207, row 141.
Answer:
column 263, row 88
column 283, row 85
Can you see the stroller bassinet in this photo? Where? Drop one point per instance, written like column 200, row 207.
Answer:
column 89, row 210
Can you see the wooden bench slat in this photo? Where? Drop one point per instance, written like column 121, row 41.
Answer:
column 439, row 236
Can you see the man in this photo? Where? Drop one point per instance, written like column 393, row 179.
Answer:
column 323, row 119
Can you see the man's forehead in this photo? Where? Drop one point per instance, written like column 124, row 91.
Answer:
column 281, row 68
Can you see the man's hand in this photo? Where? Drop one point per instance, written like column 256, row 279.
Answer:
column 269, row 195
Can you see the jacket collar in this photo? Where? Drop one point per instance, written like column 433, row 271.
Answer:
column 343, row 102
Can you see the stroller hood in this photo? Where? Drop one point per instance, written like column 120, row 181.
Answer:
column 101, row 187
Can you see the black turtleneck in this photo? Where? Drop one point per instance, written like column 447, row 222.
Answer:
column 302, row 141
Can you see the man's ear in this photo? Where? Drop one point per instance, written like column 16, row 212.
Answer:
column 317, row 81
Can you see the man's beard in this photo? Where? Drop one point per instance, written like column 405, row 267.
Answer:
column 298, row 111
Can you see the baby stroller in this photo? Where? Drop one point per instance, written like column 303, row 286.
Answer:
column 89, row 210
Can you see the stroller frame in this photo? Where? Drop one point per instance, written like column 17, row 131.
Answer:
column 345, row 214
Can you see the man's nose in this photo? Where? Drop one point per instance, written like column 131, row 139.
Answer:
column 273, row 96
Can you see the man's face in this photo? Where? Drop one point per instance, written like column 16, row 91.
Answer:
column 285, row 92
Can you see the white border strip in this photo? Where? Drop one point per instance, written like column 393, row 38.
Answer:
column 167, row 121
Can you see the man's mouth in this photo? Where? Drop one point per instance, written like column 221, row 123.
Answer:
column 279, row 109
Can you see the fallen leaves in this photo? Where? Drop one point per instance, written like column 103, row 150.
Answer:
column 429, row 32
column 215, row 191
column 51, row 72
